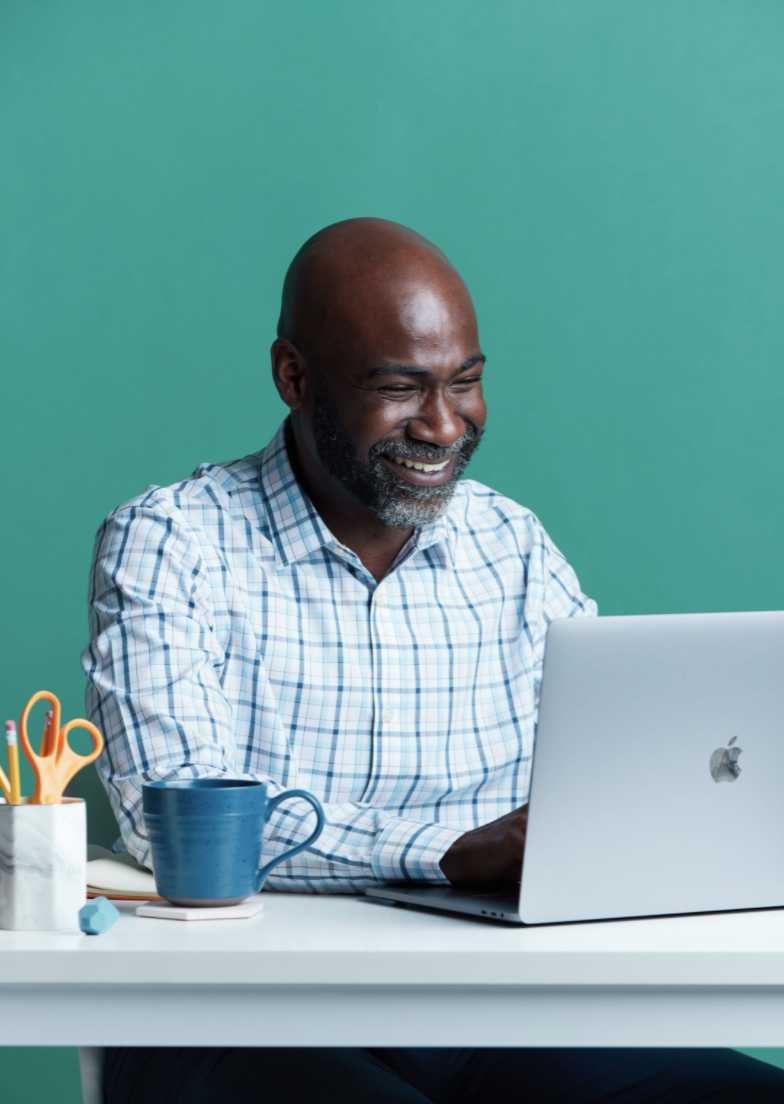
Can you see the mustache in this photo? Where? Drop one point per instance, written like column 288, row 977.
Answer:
column 421, row 450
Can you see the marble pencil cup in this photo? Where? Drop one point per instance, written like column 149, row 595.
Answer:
column 43, row 865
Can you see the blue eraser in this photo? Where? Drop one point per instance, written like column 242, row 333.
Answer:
column 97, row 916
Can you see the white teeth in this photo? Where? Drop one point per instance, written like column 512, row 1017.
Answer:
column 419, row 465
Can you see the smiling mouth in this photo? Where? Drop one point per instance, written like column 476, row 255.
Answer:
column 419, row 465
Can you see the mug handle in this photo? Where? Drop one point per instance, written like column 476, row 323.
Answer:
column 261, row 876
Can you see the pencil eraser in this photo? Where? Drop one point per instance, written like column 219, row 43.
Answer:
column 97, row 916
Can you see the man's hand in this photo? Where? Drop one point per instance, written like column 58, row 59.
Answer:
column 492, row 853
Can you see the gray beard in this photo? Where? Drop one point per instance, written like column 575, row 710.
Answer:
column 393, row 500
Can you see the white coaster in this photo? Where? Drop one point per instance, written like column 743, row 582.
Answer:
column 232, row 912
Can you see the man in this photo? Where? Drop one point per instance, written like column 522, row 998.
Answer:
column 339, row 613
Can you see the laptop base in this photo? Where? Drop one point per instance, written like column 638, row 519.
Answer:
column 500, row 902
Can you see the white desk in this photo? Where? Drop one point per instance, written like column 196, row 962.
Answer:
column 317, row 970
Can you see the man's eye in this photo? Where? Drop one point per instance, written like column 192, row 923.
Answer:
column 467, row 382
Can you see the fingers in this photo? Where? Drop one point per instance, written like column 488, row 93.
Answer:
column 490, row 853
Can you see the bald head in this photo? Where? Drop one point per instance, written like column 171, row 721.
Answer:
column 362, row 276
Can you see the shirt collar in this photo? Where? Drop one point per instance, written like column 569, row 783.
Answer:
column 437, row 533
column 295, row 526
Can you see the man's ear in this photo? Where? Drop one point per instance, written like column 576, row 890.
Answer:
column 288, row 371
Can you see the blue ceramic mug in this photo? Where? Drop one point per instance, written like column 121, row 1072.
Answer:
column 206, row 836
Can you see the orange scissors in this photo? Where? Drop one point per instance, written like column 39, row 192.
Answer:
column 58, row 762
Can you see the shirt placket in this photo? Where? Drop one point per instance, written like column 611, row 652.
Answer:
column 387, row 703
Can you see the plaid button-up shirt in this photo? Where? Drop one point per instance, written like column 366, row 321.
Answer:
column 232, row 634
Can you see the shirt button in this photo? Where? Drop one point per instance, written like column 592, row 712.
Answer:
column 380, row 600
column 389, row 715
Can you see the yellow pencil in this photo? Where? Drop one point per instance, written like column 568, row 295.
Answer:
column 13, row 763
column 5, row 786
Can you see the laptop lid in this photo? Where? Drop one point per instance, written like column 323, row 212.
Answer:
column 658, row 774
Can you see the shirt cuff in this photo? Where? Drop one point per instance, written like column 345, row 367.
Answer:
column 410, row 851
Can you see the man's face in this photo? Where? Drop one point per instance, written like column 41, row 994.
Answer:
column 398, row 420
column 384, row 478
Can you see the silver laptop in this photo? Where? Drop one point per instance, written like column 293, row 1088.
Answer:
column 658, row 774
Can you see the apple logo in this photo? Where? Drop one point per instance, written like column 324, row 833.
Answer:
column 724, row 763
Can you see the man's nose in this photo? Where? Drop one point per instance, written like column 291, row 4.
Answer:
column 436, row 421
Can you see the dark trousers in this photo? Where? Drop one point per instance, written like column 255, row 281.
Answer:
column 280, row 1075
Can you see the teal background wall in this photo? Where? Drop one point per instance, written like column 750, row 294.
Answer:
column 606, row 174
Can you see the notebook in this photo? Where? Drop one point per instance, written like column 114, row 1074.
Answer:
column 118, row 876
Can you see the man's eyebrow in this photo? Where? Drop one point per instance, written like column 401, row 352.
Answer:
column 412, row 370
